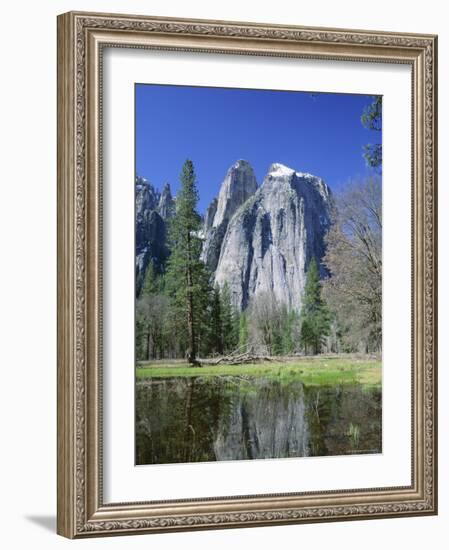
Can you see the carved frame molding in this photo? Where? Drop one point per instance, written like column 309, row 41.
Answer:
column 81, row 39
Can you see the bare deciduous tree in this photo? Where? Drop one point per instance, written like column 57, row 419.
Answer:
column 264, row 315
column 152, row 311
column 354, row 260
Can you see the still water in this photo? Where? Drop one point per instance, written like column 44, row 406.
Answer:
column 231, row 418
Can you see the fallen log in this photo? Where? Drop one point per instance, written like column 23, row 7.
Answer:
column 243, row 358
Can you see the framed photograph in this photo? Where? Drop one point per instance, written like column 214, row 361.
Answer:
column 247, row 253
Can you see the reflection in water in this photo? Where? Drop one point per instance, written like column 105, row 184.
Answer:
column 231, row 418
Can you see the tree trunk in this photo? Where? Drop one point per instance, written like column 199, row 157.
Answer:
column 148, row 346
column 191, row 352
column 189, row 431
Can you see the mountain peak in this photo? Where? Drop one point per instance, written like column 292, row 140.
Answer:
column 241, row 163
column 166, row 206
column 237, row 187
column 278, row 170
column 239, row 184
column 269, row 241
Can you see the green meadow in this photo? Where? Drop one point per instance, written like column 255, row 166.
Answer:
column 311, row 371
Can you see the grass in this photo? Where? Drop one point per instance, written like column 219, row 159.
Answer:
column 311, row 371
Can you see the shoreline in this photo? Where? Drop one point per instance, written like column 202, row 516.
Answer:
column 328, row 370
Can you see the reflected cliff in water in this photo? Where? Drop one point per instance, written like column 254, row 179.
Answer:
column 232, row 418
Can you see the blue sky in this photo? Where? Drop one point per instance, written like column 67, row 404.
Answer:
column 317, row 133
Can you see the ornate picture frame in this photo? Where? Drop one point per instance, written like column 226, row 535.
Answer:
column 82, row 39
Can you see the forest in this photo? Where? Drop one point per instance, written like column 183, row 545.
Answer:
column 182, row 313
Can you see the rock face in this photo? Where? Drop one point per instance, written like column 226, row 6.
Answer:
column 270, row 423
column 166, row 206
column 210, row 214
column 270, row 237
column 256, row 239
column 237, row 187
column 153, row 209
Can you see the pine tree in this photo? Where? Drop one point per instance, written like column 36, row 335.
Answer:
column 307, row 334
column 243, row 329
column 276, row 347
column 314, row 314
column 216, row 322
column 230, row 320
column 187, row 276
column 288, row 329
column 140, row 339
column 372, row 120
column 153, row 282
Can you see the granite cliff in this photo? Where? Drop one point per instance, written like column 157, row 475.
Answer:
column 257, row 239
column 153, row 210
column 237, row 187
column 262, row 239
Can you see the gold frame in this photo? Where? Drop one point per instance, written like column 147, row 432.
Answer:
column 81, row 38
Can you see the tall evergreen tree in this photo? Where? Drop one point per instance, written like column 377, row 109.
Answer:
column 230, row 320
column 289, row 322
column 243, row 329
column 216, row 322
column 153, row 282
column 372, row 120
column 186, row 273
column 141, row 337
column 314, row 314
